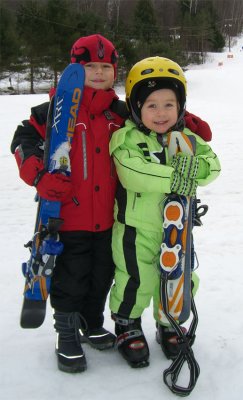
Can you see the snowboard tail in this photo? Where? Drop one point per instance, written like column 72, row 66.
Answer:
column 45, row 245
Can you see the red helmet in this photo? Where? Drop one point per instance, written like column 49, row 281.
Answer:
column 94, row 48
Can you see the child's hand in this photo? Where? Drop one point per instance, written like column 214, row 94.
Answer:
column 192, row 167
column 29, row 169
column 55, row 187
column 183, row 186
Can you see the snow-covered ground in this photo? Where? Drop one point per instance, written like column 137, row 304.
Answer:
column 27, row 360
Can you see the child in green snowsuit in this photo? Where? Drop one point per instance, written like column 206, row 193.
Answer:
column 156, row 97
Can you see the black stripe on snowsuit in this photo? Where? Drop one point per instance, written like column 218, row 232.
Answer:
column 130, row 292
column 121, row 197
column 145, row 150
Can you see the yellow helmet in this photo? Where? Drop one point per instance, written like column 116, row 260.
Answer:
column 151, row 74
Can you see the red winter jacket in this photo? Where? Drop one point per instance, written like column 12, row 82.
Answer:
column 93, row 173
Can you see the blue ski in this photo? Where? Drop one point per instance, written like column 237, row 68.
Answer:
column 45, row 245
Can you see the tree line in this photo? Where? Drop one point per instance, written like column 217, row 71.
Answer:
column 38, row 34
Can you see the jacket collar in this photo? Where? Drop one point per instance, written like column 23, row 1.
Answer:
column 96, row 101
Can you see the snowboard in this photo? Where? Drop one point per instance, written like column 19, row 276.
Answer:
column 45, row 245
column 176, row 258
column 176, row 267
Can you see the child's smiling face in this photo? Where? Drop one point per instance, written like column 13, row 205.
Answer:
column 99, row 75
column 160, row 110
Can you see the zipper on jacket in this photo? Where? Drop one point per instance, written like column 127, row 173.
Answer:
column 134, row 199
column 112, row 168
column 75, row 200
column 112, row 164
column 84, row 150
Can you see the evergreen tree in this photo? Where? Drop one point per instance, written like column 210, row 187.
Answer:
column 8, row 39
column 199, row 32
column 59, row 30
column 30, row 28
column 145, row 25
column 89, row 23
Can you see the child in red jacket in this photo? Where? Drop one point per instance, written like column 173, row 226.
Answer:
column 84, row 271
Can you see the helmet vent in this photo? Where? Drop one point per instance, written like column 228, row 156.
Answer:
column 173, row 71
column 147, row 71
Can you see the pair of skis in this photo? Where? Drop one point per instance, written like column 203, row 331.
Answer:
column 45, row 245
column 176, row 266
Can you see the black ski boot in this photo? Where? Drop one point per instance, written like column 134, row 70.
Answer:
column 70, row 355
column 131, row 342
column 168, row 340
column 99, row 338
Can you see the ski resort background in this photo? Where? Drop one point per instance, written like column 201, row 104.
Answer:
column 28, row 363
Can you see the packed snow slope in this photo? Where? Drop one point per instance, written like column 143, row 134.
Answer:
column 28, row 364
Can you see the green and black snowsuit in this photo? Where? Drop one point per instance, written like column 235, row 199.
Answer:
column 145, row 178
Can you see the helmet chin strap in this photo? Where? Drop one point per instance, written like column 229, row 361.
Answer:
column 180, row 124
column 139, row 123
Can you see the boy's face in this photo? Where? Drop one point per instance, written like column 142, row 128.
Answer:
column 99, row 75
column 160, row 111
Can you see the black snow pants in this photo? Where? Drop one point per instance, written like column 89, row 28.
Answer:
column 83, row 275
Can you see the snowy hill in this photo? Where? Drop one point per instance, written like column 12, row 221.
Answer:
column 28, row 364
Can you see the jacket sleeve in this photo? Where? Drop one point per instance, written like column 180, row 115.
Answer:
column 204, row 151
column 29, row 136
column 198, row 126
column 134, row 171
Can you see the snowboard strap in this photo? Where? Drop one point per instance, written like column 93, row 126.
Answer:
column 185, row 340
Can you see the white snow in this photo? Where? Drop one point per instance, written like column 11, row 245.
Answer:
column 28, row 364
